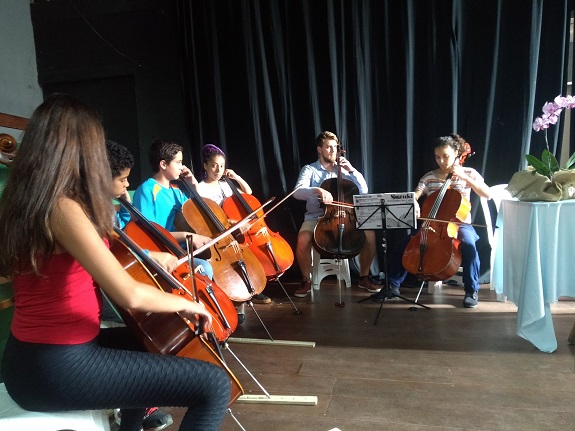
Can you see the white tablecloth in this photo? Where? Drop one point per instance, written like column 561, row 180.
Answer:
column 534, row 263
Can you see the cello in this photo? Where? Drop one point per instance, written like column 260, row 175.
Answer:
column 236, row 269
column 7, row 149
column 151, row 236
column 433, row 253
column 271, row 250
column 164, row 333
column 335, row 233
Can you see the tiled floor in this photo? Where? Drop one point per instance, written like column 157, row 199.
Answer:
column 446, row 368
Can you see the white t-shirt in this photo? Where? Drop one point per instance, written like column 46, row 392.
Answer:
column 218, row 194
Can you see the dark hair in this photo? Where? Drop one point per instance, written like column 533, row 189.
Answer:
column 209, row 151
column 119, row 158
column 162, row 150
column 325, row 135
column 62, row 155
column 454, row 141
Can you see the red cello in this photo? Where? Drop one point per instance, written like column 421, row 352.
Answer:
column 165, row 333
column 433, row 253
column 272, row 251
column 151, row 236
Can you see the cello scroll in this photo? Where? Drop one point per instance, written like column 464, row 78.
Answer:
column 7, row 149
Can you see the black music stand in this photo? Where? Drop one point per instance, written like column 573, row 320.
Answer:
column 392, row 212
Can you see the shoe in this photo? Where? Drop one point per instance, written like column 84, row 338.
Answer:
column 241, row 318
column 117, row 417
column 154, row 419
column 393, row 292
column 261, row 299
column 304, row 289
column 470, row 300
column 367, row 284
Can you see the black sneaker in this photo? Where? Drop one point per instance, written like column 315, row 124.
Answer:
column 260, row 298
column 156, row 420
column 470, row 300
column 393, row 292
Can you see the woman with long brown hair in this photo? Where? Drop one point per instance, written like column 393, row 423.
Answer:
column 56, row 226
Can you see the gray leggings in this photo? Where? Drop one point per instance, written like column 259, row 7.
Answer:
column 110, row 372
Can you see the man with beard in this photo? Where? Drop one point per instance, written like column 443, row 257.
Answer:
column 308, row 189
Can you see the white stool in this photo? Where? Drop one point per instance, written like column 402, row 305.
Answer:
column 14, row 418
column 434, row 286
column 321, row 268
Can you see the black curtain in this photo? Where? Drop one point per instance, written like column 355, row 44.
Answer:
column 263, row 78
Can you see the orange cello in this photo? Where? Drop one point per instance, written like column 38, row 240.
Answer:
column 272, row 251
column 335, row 233
column 433, row 253
column 165, row 333
column 236, row 269
column 151, row 236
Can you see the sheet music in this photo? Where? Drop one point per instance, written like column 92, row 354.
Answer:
column 368, row 210
column 399, row 210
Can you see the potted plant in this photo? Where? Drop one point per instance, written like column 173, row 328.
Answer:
column 545, row 180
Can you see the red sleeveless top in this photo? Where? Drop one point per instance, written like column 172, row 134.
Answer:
column 61, row 306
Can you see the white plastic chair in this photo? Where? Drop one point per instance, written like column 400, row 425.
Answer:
column 497, row 193
column 321, row 268
column 14, row 418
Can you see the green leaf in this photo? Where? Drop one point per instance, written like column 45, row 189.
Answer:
column 538, row 165
column 570, row 162
column 550, row 161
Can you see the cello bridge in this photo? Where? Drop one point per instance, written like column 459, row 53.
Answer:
column 263, row 231
column 235, row 246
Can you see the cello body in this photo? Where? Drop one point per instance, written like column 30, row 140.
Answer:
column 166, row 333
column 335, row 233
column 433, row 253
column 270, row 248
column 236, row 269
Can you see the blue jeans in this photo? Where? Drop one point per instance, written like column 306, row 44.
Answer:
column 208, row 270
column 469, row 260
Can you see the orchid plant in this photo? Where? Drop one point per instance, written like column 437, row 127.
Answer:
column 548, row 164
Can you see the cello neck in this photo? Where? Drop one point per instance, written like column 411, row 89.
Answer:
column 194, row 195
column 151, row 228
column 238, row 195
column 441, row 195
column 149, row 262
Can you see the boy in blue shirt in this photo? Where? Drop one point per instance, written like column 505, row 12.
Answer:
column 121, row 163
column 159, row 200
